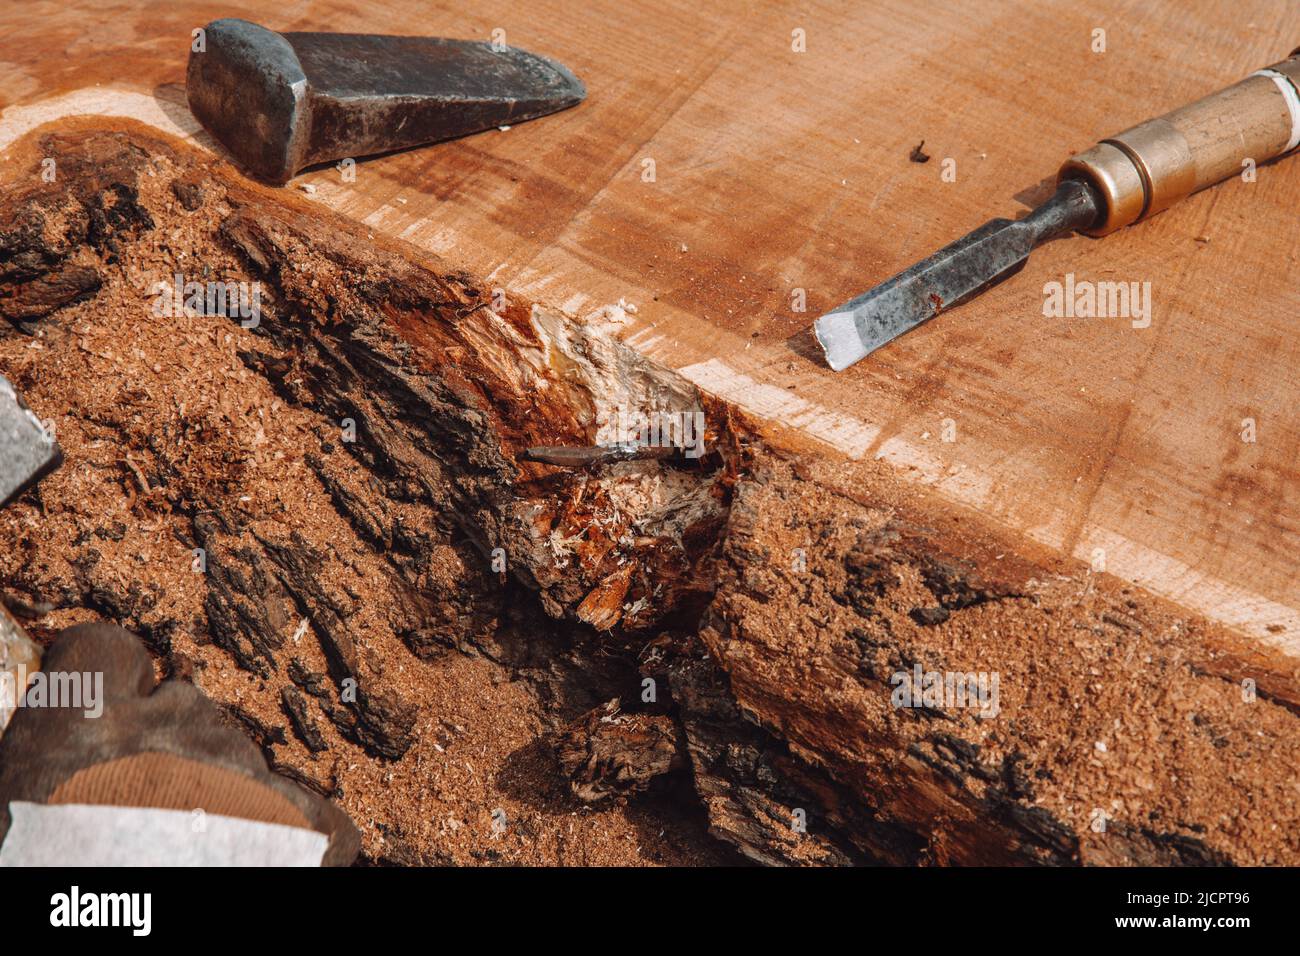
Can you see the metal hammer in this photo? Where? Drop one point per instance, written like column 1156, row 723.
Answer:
column 283, row 101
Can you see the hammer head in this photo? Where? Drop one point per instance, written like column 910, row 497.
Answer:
column 281, row 102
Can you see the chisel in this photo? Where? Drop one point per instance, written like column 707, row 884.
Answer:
column 1122, row 180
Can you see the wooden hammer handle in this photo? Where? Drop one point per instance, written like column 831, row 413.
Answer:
column 1148, row 168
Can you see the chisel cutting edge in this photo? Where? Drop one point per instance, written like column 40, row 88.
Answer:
column 1122, row 180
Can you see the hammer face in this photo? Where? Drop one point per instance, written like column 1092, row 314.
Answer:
column 27, row 452
column 249, row 91
column 283, row 102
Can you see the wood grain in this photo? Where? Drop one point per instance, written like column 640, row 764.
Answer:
column 777, row 171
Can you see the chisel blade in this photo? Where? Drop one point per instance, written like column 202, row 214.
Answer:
column 952, row 275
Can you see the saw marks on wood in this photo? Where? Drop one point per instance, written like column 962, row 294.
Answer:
column 716, row 178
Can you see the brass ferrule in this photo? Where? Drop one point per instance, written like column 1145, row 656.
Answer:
column 1140, row 172
column 1146, row 169
column 1114, row 175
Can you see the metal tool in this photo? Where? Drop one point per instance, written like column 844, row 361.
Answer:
column 1120, row 181
column 27, row 454
column 590, row 456
column 283, row 101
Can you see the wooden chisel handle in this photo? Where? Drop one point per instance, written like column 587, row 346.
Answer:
column 1146, row 169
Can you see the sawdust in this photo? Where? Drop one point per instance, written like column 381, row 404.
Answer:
column 1142, row 719
column 1115, row 712
column 129, row 392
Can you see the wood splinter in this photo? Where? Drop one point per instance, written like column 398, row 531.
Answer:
column 591, row 456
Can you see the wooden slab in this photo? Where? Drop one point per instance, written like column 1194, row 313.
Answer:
column 777, row 171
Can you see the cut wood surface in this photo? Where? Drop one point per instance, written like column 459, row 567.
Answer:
column 715, row 175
